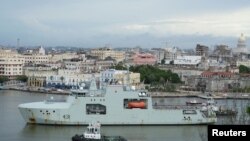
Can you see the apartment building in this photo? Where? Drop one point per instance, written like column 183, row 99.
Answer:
column 11, row 66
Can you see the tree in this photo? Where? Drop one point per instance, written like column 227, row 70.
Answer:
column 62, row 78
column 109, row 58
column 244, row 69
column 3, row 79
column 175, row 78
column 119, row 66
column 153, row 74
column 22, row 78
column 171, row 62
column 163, row 61
column 248, row 110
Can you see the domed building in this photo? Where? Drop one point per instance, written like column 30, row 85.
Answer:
column 241, row 45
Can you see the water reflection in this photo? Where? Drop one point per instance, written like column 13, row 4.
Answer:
column 132, row 133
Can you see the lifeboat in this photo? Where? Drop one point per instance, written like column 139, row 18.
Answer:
column 137, row 104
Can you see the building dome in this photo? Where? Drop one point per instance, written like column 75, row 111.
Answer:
column 242, row 38
column 241, row 42
column 241, row 45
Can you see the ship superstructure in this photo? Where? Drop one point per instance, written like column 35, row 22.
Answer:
column 111, row 104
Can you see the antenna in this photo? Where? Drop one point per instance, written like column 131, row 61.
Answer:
column 128, row 77
column 18, row 43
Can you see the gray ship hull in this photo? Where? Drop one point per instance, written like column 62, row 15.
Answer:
column 110, row 108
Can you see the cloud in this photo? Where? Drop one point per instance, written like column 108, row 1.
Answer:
column 135, row 21
column 35, row 23
column 216, row 24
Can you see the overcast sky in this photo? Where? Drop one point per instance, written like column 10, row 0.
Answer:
column 123, row 23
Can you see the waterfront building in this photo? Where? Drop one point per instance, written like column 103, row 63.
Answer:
column 186, row 73
column 119, row 76
column 39, row 71
column 65, row 79
column 218, row 81
column 36, row 81
column 11, row 66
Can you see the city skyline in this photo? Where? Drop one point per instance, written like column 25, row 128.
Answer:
column 145, row 23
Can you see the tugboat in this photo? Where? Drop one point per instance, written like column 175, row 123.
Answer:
column 93, row 133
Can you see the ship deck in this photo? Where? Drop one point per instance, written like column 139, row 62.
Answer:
column 175, row 107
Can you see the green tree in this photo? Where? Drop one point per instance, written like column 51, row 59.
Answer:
column 22, row 78
column 163, row 61
column 3, row 79
column 62, row 78
column 171, row 62
column 244, row 69
column 119, row 66
column 153, row 74
column 248, row 110
column 175, row 78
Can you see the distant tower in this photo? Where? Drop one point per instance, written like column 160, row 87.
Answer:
column 18, row 43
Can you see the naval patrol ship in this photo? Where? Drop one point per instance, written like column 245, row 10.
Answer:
column 111, row 104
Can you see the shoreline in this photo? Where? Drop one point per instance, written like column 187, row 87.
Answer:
column 153, row 94
column 39, row 91
column 200, row 95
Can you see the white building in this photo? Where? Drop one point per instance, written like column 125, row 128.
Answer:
column 241, row 45
column 41, row 50
column 36, row 58
column 62, row 80
column 39, row 71
column 245, row 63
column 119, row 76
column 187, row 60
column 171, row 54
column 159, row 54
column 11, row 66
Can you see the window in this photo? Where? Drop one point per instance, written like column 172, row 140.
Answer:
column 95, row 109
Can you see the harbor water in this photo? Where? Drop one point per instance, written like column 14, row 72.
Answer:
column 14, row 128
